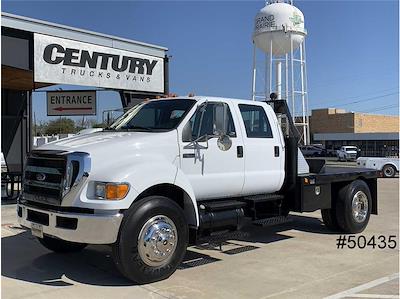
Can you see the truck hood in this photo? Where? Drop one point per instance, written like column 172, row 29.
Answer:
column 111, row 149
column 351, row 151
column 99, row 140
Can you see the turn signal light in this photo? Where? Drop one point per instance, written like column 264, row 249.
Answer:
column 116, row 191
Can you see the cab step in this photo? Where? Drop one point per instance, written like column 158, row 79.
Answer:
column 220, row 238
column 263, row 198
column 272, row 221
column 221, row 205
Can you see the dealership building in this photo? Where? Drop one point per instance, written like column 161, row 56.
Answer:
column 376, row 135
column 38, row 54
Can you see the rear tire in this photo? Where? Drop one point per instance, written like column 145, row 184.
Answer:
column 329, row 219
column 61, row 246
column 152, row 240
column 389, row 171
column 353, row 207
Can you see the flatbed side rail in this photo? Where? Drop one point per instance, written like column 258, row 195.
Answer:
column 319, row 190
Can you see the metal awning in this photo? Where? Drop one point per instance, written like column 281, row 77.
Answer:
column 53, row 29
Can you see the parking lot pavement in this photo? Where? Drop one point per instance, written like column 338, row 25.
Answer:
column 298, row 259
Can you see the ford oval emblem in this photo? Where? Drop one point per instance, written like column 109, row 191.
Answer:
column 40, row 177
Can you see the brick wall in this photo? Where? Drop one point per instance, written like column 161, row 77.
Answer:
column 333, row 120
column 369, row 123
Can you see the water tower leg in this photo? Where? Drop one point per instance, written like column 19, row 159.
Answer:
column 286, row 77
column 306, row 92
column 253, row 92
column 279, row 79
column 270, row 70
column 292, row 87
column 303, row 98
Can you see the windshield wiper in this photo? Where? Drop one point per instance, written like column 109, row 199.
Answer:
column 137, row 128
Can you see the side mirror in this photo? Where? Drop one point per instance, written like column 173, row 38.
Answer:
column 187, row 133
column 224, row 142
column 220, row 120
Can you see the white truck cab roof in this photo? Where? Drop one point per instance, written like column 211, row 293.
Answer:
column 214, row 99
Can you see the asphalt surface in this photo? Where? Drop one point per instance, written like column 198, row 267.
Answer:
column 298, row 259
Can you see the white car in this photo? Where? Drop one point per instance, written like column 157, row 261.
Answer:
column 347, row 153
column 388, row 166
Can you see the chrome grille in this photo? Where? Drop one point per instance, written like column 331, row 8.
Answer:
column 43, row 178
column 51, row 175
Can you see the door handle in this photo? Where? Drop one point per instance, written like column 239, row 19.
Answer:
column 276, row 149
column 239, row 151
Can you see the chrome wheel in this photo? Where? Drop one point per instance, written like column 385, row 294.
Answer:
column 360, row 206
column 388, row 171
column 157, row 241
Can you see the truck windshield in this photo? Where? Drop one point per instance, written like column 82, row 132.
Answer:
column 157, row 115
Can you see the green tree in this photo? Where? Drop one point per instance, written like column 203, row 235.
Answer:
column 61, row 126
column 99, row 125
column 39, row 129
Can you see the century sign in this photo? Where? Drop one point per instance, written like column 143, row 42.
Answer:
column 64, row 61
column 82, row 102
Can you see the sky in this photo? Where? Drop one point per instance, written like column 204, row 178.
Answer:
column 352, row 46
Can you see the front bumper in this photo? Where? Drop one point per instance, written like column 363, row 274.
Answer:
column 87, row 228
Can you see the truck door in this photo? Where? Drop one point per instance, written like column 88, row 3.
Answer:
column 263, row 152
column 213, row 164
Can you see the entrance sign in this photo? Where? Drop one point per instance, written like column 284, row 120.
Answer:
column 71, row 103
column 64, row 61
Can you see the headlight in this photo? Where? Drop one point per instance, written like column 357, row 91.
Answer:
column 110, row 191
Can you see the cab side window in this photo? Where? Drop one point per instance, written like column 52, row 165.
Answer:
column 209, row 117
column 255, row 121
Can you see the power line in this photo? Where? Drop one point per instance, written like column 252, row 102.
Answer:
column 367, row 94
column 380, row 108
column 370, row 99
column 365, row 100
column 342, row 78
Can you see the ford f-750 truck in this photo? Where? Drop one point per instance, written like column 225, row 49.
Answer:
column 170, row 171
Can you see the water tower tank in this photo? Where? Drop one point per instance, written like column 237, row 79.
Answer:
column 275, row 25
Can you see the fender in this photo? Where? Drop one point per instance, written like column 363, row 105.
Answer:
column 190, row 200
column 389, row 163
column 142, row 173
column 167, row 173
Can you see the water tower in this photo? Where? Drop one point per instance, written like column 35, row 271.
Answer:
column 280, row 66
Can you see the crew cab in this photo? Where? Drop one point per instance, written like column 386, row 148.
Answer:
column 171, row 171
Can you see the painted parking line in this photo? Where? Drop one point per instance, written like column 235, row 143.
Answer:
column 375, row 296
column 352, row 292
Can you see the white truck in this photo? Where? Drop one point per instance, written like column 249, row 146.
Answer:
column 388, row 166
column 173, row 170
column 347, row 153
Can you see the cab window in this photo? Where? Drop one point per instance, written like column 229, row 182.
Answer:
column 211, row 116
column 255, row 121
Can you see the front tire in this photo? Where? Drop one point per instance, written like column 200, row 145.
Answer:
column 389, row 171
column 60, row 246
column 152, row 240
column 353, row 207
